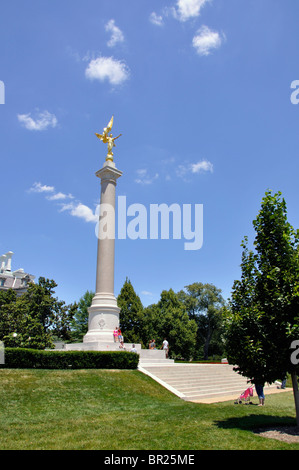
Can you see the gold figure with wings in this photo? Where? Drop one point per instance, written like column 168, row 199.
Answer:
column 107, row 138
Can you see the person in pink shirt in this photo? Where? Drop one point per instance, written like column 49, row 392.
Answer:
column 115, row 335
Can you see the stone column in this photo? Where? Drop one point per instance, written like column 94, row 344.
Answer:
column 8, row 261
column 2, row 263
column 104, row 312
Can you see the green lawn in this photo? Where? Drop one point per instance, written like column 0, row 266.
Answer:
column 125, row 410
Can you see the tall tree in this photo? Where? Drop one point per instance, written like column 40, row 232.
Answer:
column 131, row 312
column 204, row 304
column 80, row 320
column 169, row 319
column 263, row 320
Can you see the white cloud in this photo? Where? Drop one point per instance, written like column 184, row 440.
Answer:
column 184, row 171
column 80, row 210
column 202, row 166
column 144, row 177
column 116, row 34
column 187, row 9
column 74, row 208
column 156, row 19
column 41, row 188
column 206, row 40
column 107, row 68
column 60, row 196
column 42, row 121
column 145, row 292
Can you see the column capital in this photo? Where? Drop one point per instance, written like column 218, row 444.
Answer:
column 109, row 171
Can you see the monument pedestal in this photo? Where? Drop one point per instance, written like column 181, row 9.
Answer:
column 103, row 319
column 100, row 346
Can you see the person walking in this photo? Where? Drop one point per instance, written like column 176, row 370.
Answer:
column 165, row 346
column 259, row 388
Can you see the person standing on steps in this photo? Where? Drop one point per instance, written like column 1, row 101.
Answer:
column 165, row 346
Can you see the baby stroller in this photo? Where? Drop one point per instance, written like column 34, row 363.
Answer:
column 245, row 397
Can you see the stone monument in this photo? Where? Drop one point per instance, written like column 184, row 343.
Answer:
column 104, row 312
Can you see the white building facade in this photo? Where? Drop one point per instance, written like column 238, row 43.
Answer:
column 17, row 280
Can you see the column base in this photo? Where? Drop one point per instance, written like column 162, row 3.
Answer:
column 103, row 319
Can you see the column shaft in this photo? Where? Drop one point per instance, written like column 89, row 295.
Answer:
column 104, row 312
column 105, row 255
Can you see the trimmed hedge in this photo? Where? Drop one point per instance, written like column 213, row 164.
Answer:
column 21, row 358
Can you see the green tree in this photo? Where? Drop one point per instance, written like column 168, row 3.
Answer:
column 80, row 320
column 131, row 313
column 19, row 329
column 204, row 304
column 32, row 319
column 169, row 319
column 263, row 320
column 54, row 315
column 7, row 297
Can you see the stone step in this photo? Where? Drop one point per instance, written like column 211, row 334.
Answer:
column 193, row 377
column 193, row 382
column 231, row 392
column 211, row 388
column 212, row 394
column 207, row 385
column 152, row 362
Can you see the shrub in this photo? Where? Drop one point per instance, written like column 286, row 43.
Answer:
column 21, row 358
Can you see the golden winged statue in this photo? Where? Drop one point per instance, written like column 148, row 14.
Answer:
column 107, row 138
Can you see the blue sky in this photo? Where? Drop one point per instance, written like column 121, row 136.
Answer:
column 199, row 89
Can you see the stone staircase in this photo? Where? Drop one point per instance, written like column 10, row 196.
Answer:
column 199, row 382
column 154, row 357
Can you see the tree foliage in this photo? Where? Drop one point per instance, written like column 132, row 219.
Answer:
column 131, row 313
column 204, row 304
column 79, row 324
column 169, row 319
column 264, row 316
column 166, row 319
column 35, row 318
column 263, row 320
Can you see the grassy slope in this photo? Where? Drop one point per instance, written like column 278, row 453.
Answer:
column 95, row 409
